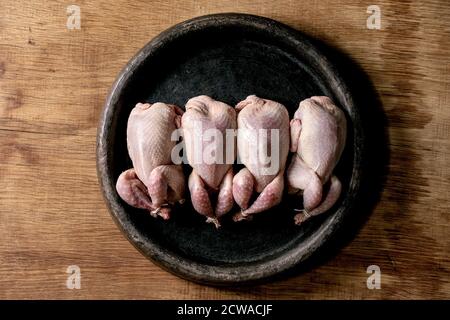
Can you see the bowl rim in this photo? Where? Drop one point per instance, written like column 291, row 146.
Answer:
column 225, row 275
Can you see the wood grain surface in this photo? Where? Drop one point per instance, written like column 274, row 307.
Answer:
column 53, row 82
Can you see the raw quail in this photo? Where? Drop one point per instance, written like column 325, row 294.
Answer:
column 318, row 133
column 154, row 183
column 209, row 133
column 263, row 155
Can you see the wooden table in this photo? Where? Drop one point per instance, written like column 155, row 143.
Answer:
column 53, row 82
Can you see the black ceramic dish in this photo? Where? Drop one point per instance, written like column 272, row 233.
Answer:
column 226, row 56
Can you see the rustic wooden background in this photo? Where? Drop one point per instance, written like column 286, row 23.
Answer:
column 53, row 82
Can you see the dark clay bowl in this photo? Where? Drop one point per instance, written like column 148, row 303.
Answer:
column 228, row 57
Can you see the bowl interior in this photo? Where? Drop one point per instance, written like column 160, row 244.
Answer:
column 227, row 61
